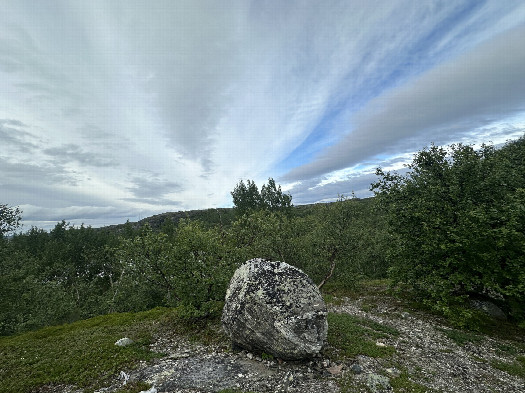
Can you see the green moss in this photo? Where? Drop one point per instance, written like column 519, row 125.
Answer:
column 478, row 359
column 348, row 384
column 267, row 356
column 385, row 330
column 350, row 336
column 461, row 337
column 331, row 299
column 203, row 330
column 401, row 384
column 82, row 353
column 507, row 349
column 134, row 387
column 367, row 307
column 515, row 368
column 404, row 384
column 233, row 391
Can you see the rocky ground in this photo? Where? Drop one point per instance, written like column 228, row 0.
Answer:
column 429, row 357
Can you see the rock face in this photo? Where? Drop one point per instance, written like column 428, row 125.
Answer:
column 489, row 308
column 275, row 308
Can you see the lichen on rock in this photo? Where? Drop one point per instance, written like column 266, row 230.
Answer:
column 275, row 308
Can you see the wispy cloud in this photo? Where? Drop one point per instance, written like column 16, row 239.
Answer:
column 485, row 84
column 153, row 186
column 74, row 153
column 16, row 173
column 15, row 137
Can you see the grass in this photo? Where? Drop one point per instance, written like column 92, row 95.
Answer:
column 507, row 349
column 349, row 385
column 331, row 299
column 461, row 337
column 515, row 368
column 350, row 336
column 134, row 387
column 83, row 353
column 401, row 384
column 233, row 391
column 360, row 289
column 404, row 384
column 367, row 307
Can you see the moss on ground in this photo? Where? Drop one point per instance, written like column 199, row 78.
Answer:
column 350, row 336
column 461, row 337
column 517, row 367
column 404, row 384
column 84, row 353
column 401, row 384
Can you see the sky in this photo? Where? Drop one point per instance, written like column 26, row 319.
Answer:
column 117, row 110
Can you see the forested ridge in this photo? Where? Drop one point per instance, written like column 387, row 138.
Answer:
column 449, row 230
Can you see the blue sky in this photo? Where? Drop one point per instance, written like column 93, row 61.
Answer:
column 116, row 110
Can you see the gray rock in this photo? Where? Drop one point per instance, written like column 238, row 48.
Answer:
column 394, row 372
column 124, row 342
column 378, row 383
column 356, row 368
column 275, row 308
column 489, row 308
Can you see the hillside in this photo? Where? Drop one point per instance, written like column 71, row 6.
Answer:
column 210, row 217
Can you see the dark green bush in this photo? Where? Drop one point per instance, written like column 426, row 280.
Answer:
column 459, row 217
column 193, row 268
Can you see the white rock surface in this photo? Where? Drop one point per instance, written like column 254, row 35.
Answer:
column 124, row 342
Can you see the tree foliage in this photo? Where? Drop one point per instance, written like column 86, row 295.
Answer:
column 191, row 269
column 460, row 219
column 342, row 243
column 9, row 219
column 247, row 198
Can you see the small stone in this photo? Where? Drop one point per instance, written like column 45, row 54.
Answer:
column 123, row 342
column 393, row 372
column 335, row 369
column 124, row 377
column 356, row 368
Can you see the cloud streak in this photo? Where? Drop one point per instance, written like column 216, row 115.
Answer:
column 485, row 84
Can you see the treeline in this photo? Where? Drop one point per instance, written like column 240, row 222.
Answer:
column 73, row 273
column 450, row 229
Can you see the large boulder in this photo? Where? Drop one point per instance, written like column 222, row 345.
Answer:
column 275, row 308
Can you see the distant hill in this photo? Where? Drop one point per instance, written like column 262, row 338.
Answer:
column 209, row 217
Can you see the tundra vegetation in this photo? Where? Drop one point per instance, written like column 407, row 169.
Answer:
column 449, row 229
